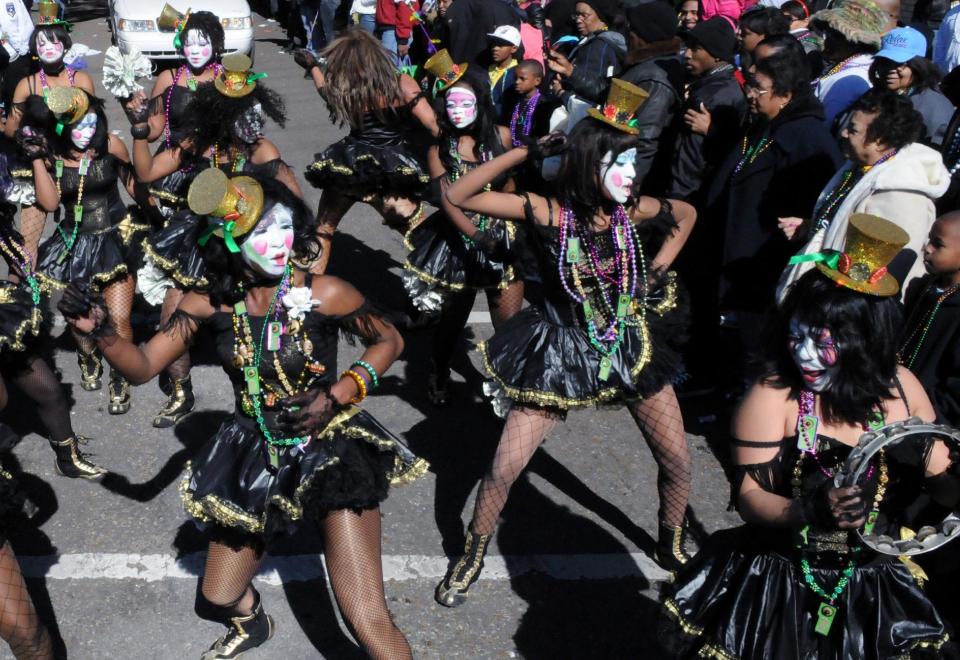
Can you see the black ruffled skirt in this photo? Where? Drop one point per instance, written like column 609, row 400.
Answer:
column 21, row 322
column 535, row 359
column 359, row 169
column 98, row 257
column 441, row 261
column 175, row 252
column 350, row 466
column 735, row 601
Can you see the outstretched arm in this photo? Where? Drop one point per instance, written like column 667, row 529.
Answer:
column 88, row 315
column 467, row 191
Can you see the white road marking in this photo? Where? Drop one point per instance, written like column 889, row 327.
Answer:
column 301, row 568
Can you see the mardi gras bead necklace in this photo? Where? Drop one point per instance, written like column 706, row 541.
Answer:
column 923, row 327
column 605, row 317
column 70, row 240
column 836, row 196
column 523, row 120
column 17, row 255
column 748, row 153
column 45, row 84
column 807, row 427
column 236, row 166
column 479, row 220
column 839, row 66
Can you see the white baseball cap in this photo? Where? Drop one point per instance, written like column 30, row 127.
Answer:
column 506, row 33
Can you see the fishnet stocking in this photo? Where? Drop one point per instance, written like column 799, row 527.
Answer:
column 352, row 551
column 119, row 298
column 505, row 303
column 32, row 219
column 660, row 420
column 19, row 624
column 524, row 432
column 179, row 368
column 227, row 577
column 43, row 387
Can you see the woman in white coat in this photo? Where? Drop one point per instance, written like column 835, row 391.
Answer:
column 888, row 174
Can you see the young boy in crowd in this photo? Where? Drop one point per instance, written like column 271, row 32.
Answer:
column 504, row 44
column 930, row 345
column 532, row 114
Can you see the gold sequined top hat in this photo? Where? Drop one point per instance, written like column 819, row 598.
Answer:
column 68, row 105
column 170, row 19
column 48, row 13
column 872, row 243
column 233, row 205
column 236, row 79
column 623, row 100
column 445, row 69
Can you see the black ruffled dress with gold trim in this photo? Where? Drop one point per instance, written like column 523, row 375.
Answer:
column 24, row 316
column 106, row 244
column 173, row 249
column 543, row 357
column 744, row 595
column 380, row 158
column 442, row 260
column 232, row 486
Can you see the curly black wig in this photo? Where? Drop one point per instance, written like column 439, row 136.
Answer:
column 484, row 130
column 209, row 25
column 864, row 328
column 896, row 124
column 209, row 103
column 61, row 145
column 227, row 271
column 578, row 182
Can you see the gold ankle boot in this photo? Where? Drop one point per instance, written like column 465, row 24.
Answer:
column 73, row 463
column 452, row 592
column 91, row 370
column 178, row 406
column 119, row 394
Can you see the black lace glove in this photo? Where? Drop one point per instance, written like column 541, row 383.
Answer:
column 34, row 145
column 80, row 303
column 307, row 413
column 834, row 508
column 549, row 145
column 305, row 59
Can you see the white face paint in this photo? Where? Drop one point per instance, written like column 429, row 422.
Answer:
column 49, row 50
column 461, row 106
column 815, row 354
column 267, row 249
column 197, row 49
column 82, row 132
column 619, row 174
column 249, row 126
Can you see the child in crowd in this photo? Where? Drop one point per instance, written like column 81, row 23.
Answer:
column 533, row 114
column 930, row 345
column 504, row 44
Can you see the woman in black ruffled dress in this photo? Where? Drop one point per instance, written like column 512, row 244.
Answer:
column 48, row 44
column 445, row 269
column 297, row 449
column 379, row 162
column 97, row 234
column 796, row 581
column 604, row 332
column 234, row 144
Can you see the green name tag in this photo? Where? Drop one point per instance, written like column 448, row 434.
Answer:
column 273, row 335
column 573, row 250
column 871, row 522
column 240, row 308
column 274, row 455
column 623, row 305
column 192, row 84
column 587, row 311
column 621, row 238
column 807, row 437
column 84, row 166
column 605, row 366
column 78, row 213
column 59, row 169
column 253, row 380
column 825, row 614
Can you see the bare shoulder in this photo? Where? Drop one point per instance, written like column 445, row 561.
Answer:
column 763, row 413
column 336, row 297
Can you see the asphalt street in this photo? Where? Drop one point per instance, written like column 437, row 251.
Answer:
column 114, row 566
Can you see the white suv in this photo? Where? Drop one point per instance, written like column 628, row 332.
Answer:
column 134, row 23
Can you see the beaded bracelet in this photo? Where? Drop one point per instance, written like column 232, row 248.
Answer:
column 369, row 368
column 361, row 385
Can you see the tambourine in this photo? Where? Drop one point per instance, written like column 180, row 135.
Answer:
column 927, row 538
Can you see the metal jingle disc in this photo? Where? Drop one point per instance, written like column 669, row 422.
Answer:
column 927, row 538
